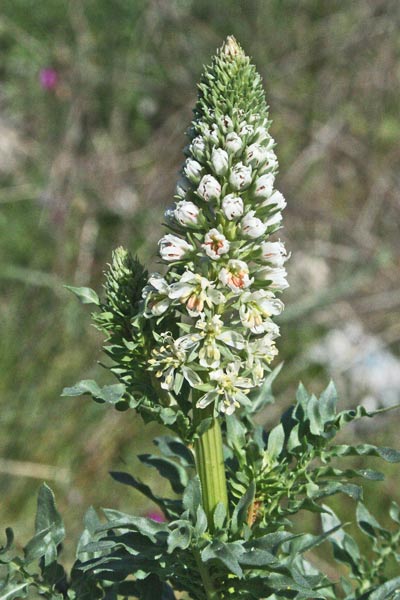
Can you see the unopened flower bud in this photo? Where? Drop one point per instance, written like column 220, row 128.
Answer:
column 182, row 187
column 219, row 161
column 252, row 226
column 276, row 277
column 197, row 147
column 233, row 142
column 240, row 177
column 232, row 206
column 256, row 155
column 192, row 170
column 264, row 186
column 246, row 128
column 273, row 253
column 274, row 219
column 225, row 123
column 215, row 244
column 169, row 215
column 262, row 134
column 210, row 135
column 187, row 213
column 276, row 200
column 209, row 188
column 172, row 247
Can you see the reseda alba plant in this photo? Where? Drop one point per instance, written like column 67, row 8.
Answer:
column 191, row 348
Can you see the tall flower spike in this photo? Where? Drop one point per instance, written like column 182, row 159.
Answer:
column 221, row 264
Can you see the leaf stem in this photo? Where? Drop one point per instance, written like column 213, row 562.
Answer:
column 209, row 588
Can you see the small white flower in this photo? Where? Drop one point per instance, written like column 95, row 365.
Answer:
column 215, row 244
column 256, row 308
column 197, row 147
column 275, row 275
column 256, row 154
column 209, row 188
column 193, row 170
column 168, row 360
column 260, row 354
column 182, row 187
column 240, row 176
column 172, row 247
column 233, row 142
column 235, row 275
column 195, row 291
column 264, row 186
column 277, row 200
column 219, row 161
column 231, row 389
column 187, row 213
column 252, row 226
column 155, row 293
column 232, row 206
column 273, row 253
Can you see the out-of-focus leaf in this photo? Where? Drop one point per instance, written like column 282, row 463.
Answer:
column 85, row 294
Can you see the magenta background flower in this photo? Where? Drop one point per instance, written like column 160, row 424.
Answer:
column 48, row 78
column 156, row 515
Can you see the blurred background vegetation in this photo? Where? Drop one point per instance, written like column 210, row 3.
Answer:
column 95, row 98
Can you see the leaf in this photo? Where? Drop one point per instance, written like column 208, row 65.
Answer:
column 235, row 433
column 335, row 487
column 192, row 496
column 143, row 525
column 219, row 515
column 316, row 424
column 276, row 439
column 47, row 515
column 201, row 522
column 181, row 536
column 227, row 554
column 49, row 529
column 367, row 522
column 394, row 512
column 306, row 542
column 109, row 393
column 175, row 474
column 14, row 590
column 173, row 448
column 257, row 558
column 388, row 454
column 9, row 541
column 85, row 294
column 240, row 513
column 328, row 403
column 386, row 591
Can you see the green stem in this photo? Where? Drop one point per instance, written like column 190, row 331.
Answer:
column 210, row 464
column 208, row 584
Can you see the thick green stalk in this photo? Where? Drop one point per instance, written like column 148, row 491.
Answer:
column 210, row 464
column 208, row 583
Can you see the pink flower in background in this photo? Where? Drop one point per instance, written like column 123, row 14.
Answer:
column 156, row 515
column 48, row 78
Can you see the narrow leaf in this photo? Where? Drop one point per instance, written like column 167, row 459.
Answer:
column 85, row 294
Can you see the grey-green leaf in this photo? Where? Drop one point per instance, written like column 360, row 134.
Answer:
column 85, row 294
